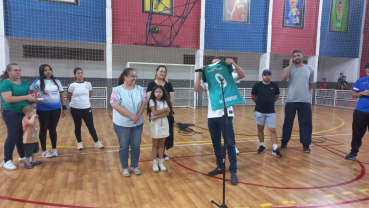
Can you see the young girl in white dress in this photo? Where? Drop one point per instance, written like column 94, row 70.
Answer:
column 158, row 108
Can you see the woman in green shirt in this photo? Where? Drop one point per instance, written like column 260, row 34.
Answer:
column 15, row 95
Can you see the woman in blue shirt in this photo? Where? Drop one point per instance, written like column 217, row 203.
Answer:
column 49, row 108
column 129, row 102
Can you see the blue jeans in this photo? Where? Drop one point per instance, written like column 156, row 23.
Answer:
column 13, row 122
column 216, row 125
column 129, row 136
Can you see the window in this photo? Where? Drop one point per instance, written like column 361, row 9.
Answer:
column 49, row 52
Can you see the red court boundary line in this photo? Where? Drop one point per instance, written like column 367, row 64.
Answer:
column 362, row 173
column 41, row 203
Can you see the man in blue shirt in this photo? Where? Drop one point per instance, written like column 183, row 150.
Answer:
column 340, row 79
column 360, row 121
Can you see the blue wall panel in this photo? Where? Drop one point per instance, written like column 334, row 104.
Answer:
column 230, row 36
column 85, row 22
column 336, row 44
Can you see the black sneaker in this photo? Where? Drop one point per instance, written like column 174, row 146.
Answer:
column 261, row 149
column 215, row 172
column 351, row 156
column 284, row 146
column 165, row 157
column 306, row 148
column 277, row 153
column 234, row 179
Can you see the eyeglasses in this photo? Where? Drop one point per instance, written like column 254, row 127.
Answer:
column 16, row 70
column 134, row 77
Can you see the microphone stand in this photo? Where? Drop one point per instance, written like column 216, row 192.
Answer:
column 224, row 147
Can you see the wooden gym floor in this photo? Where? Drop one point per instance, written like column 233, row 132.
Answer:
column 93, row 177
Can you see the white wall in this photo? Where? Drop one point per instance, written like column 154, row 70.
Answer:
column 61, row 67
column 330, row 68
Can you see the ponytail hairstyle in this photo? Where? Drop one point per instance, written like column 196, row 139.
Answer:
column 124, row 73
column 42, row 77
column 166, row 70
column 5, row 74
column 165, row 97
column 75, row 70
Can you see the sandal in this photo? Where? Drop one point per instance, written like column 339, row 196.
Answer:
column 36, row 163
column 137, row 172
column 28, row 165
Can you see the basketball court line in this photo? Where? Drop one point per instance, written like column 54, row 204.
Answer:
column 182, row 145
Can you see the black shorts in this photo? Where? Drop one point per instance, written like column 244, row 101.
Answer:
column 30, row 148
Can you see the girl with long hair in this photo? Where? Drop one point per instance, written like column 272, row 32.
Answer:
column 158, row 108
column 49, row 109
column 161, row 79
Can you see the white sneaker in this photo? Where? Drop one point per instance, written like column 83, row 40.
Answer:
column 23, row 159
column 80, row 146
column 99, row 145
column 10, row 166
column 54, row 153
column 161, row 165
column 165, row 157
column 155, row 166
column 237, row 152
column 46, row 154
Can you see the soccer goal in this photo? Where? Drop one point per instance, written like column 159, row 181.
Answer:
column 181, row 76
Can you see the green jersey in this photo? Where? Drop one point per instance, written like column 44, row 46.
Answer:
column 17, row 90
column 212, row 74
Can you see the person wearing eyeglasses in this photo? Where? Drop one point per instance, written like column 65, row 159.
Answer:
column 129, row 102
column 15, row 95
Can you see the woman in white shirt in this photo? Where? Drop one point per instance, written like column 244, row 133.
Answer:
column 79, row 93
column 49, row 108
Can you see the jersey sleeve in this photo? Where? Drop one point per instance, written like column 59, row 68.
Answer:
column 115, row 97
column 228, row 67
column 36, row 85
column 70, row 88
column 356, row 86
column 5, row 87
column 61, row 89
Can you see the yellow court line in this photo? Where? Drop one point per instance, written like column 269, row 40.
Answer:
column 191, row 142
column 337, row 127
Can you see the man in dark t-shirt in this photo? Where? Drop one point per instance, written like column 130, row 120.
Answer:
column 264, row 94
column 344, row 83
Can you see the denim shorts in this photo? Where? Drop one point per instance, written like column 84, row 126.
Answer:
column 268, row 118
